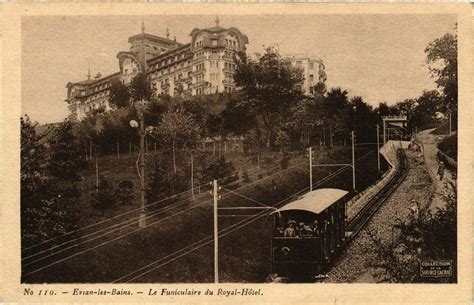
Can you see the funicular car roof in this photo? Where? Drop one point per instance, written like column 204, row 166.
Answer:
column 315, row 201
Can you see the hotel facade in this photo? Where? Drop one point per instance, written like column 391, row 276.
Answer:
column 205, row 65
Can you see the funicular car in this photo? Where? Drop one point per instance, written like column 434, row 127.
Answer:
column 308, row 233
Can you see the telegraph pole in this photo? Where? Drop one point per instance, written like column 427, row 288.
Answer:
column 142, row 220
column 310, row 169
column 215, row 190
column 384, row 135
column 378, row 147
column 353, row 163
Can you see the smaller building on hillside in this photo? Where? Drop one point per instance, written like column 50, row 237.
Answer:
column 313, row 71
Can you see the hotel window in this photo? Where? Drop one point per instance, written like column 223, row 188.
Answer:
column 311, row 77
column 298, row 63
column 311, row 65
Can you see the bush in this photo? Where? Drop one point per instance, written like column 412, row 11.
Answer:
column 245, row 176
column 159, row 185
column 125, row 192
column 285, row 161
column 424, row 235
column 104, row 197
column 217, row 168
column 449, row 146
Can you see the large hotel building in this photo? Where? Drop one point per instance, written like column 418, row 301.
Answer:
column 203, row 66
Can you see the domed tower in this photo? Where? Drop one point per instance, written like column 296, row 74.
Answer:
column 143, row 47
column 213, row 63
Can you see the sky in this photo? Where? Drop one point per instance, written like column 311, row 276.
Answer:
column 378, row 57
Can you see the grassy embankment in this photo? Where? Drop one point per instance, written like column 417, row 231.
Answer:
column 244, row 254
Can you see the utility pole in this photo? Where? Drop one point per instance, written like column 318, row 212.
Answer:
column 384, row 135
column 142, row 220
column 353, row 163
column 310, row 150
column 215, row 190
column 378, row 147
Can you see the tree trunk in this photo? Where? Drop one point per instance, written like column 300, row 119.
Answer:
column 331, row 141
column 174, row 157
column 324, row 136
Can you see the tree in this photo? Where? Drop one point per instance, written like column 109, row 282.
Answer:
column 335, row 112
column 49, row 192
column 119, row 94
column 65, row 159
column 365, row 120
column 427, row 107
column 32, row 166
column 441, row 57
column 270, row 85
column 304, row 117
column 141, row 89
column 236, row 120
column 178, row 130
column 217, row 168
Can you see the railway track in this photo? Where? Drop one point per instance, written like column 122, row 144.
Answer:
column 358, row 222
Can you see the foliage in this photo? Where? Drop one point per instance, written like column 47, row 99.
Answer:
column 159, row 185
column 365, row 121
column 285, row 161
column 424, row 235
column 270, row 85
column 178, row 130
column 104, row 197
column 141, row 89
column 65, row 159
column 441, row 57
column 217, row 168
column 449, row 146
column 428, row 105
column 335, row 112
column 33, row 162
column 49, row 192
column 119, row 95
column 124, row 192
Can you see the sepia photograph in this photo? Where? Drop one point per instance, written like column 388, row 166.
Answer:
column 239, row 149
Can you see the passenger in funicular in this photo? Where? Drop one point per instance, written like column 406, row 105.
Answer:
column 303, row 229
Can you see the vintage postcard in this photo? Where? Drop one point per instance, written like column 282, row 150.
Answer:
column 237, row 153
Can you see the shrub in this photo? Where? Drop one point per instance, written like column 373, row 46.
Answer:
column 245, row 176
column 449, row 146
column 104, row 198
column 285, row 161
column 424, row 235
column 125, row 192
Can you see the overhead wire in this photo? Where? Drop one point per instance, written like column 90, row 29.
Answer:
column 74, row 255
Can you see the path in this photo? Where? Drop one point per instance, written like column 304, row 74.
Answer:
column 357, row 262
column 430, row 152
